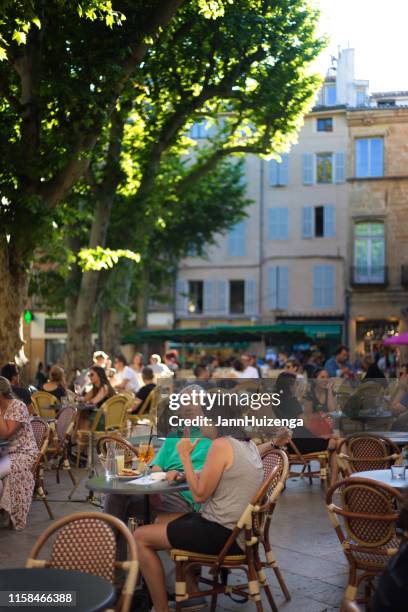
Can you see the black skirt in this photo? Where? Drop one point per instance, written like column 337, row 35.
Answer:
column 195, row 533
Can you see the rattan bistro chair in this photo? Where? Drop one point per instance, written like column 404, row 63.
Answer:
column 304, row 460
column 361, row 452
column 271, row 459
column 42, row 400
column 130, row 451
column 86, row 542
column 143, row 411
column 365, row 523
column 41, row 431
column 114, row 413
column 252, row 522
column 60, row 440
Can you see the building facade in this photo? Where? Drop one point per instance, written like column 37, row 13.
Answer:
column 378, row 220
column 286, row 261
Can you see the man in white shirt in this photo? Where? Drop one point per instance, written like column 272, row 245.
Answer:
column 248, row 370
column 125, row 377
column 160, row 369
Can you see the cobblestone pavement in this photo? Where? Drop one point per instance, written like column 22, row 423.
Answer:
column 304, row 543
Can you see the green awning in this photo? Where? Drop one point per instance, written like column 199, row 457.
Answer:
column 272, row 334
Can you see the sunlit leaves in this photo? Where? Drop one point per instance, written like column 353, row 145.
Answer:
column 103, row 259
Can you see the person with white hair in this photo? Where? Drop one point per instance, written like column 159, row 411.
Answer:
column 159, row 369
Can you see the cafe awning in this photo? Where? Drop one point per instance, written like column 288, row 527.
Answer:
column 280, row 333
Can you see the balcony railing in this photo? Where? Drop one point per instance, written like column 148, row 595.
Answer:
column 369, row 275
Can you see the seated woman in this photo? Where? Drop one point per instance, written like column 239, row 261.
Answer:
column 18, row 485
column 100, row 392
column 56, row 384
column 290, row 408
column 231, row 475
column 320, row 398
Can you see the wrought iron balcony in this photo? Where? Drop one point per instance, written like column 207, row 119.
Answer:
column 369, row 276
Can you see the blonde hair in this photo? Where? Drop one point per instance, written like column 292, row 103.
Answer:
column 56, row 374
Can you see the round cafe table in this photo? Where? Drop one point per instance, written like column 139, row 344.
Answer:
column 92, row 593
column 369, row 418
column 118, row 486
column 383, row 477
column 400, row 438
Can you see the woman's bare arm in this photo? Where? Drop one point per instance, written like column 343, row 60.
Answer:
column 219, row 458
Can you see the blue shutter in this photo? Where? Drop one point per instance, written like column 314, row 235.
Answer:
column 283, row 287
column 318, row 286
column 329, row 285
column 278, row 224
column 208, row 298
column 361, row 154
column 181, row 297
column 236, row 240
column 308, row 169
column 273, row 172
column 283, row 168
column 251, row 302
column 272, row 300
column 307, row 222
column 283, row 215
column 324, row 286
column 272, row 224
column 222, row 297
column 377, row 157
column 329, row 221
column 340, row 169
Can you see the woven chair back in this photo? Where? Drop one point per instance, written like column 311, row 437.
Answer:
column 120, row 443
column 65, row 417
column 42, row 399
column 115, row 411
column 363, row 450
column 40, row 430
column 85, row 545
column 275, row 458
column 369, row 511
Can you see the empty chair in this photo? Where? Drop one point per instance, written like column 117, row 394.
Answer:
column 364, row 514
column 41, row 431
column 271, row 459
column 85, row 542
column 361, row 452
column 42, row 400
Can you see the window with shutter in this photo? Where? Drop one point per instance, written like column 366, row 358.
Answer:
column 324, row 286
column 308, row 174
column 209, row 297
column 181, row 297
column 369, row 157
column 279, row 171
column 308, row 229
column 329, row 221
column 278, row 224
column 340, row 169
column 236, row 240
column 251, row 301
column 222, row 298
column 237, row 297
column 324, row 168
column 278, row 287
column 195, row 297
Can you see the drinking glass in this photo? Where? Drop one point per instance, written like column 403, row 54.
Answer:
column 110, row 461
column 120, row 460
column 398, row 472
column 146, row 454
